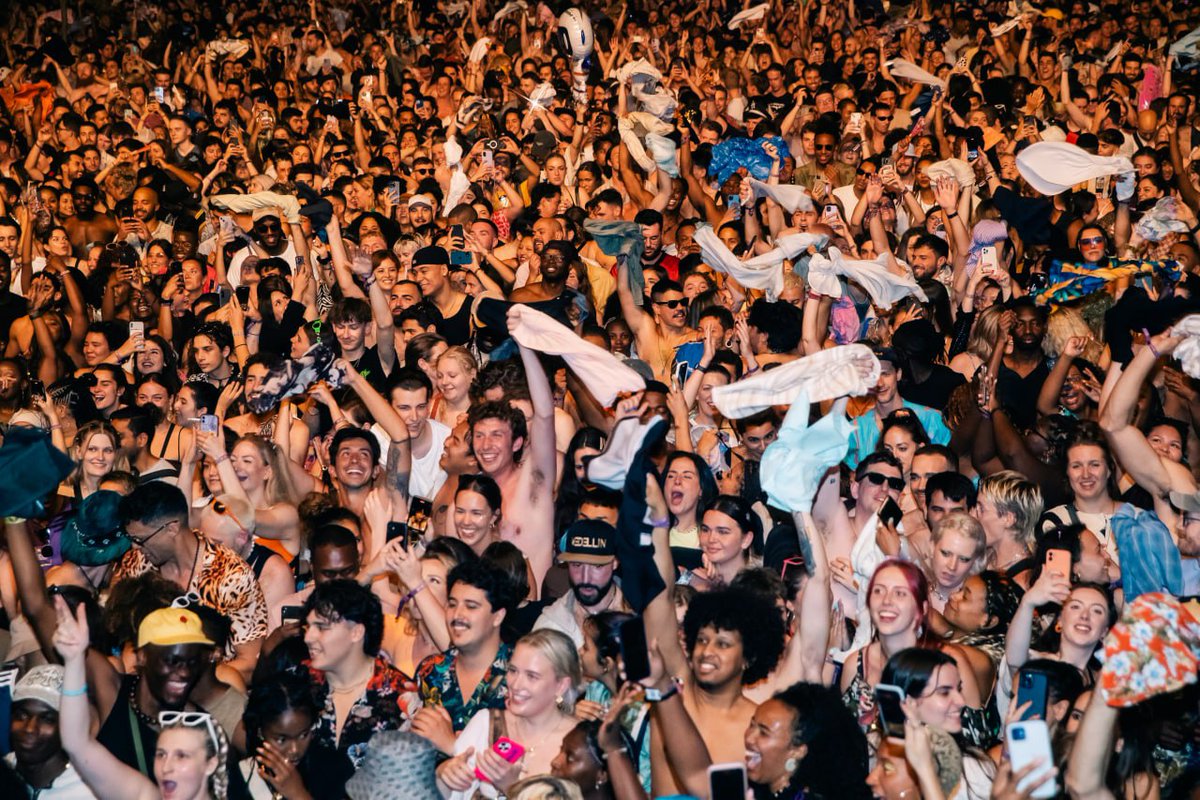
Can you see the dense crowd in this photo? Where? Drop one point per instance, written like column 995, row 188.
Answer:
column 792, row 401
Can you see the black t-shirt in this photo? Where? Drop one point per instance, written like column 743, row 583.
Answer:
column 456, row 329
column 371, row 368
column 1019, row 395
column 775, row 106
column 11, row 306
column 276, row 337
column 935, row 390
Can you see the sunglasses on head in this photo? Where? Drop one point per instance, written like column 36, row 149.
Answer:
column 190, row 719
column 671, row 303
column 879, row 479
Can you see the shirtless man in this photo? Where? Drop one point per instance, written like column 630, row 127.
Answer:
column 658, row 331
column 525, row 474
column 88, row 224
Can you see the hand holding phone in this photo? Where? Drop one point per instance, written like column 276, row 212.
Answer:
column 889, row 700
column 727, row 782
column 1028, row 742
column 508, row 750
column 635, row 655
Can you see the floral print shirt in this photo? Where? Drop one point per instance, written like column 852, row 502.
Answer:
column 388, row 704
column 438, row 685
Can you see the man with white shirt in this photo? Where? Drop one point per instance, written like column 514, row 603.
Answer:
column 410, row 395
column 270, row 239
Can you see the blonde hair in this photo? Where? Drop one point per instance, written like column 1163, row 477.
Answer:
column 545, row 787
column 463, row 356
column 279, row 487
column 985, row 333
column 1014, row 494
column 83, row 436
column 964, row 524
column 560, row 651
column 217, row 746
column 1062, row 324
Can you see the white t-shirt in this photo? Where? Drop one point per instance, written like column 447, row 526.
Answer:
column 427, row 475
column 234, row 270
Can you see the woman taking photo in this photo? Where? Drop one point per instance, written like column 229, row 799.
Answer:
column 189, row 759
column 543, row 675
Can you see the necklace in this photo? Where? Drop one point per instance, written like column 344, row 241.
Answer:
column 133, row 705
column 195, row 561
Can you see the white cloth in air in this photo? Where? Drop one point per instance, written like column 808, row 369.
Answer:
column 849, row 370
column 1054, row 167
column 789, row 196
column 603, row 373
column 885, row 287
column 794, row 464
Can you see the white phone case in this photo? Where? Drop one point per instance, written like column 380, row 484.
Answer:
column 1027, row 742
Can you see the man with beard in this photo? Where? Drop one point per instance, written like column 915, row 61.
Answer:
column 660, row 330
column 824, row 167
column 37, row 757
column 88, row 225
column 269, row 240
column 470, row 676
column 1024, row 370
column 155, row 519
column 555, row 261
column 144, row 226
column 733, row 639
column 590, row 556
column 653, row 253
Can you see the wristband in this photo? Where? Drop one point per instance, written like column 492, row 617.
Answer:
column 82, row 690
column 221, row 459
column 952, row 216
column 1150, row 344
column 703, row 368
column 14, row 520
column 660, row 523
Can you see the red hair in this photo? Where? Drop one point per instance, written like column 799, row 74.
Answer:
column 918, row 587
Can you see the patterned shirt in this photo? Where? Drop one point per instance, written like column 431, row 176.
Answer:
column 388, row 704
column 437, row 681
column 223, row 580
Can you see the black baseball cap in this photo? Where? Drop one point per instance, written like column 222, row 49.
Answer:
column 589, row 541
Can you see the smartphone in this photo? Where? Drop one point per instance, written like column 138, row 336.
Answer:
column 890, row 513
column 507, row 749
column 291, row 614
column 1029, row 741
column 856, row 119
column 727, row 782
column 486, row 158
column 137, row 331
column 1033, row 687
column 972, row 154
column 1102, row 185
column 160, row 94
column 242, row 293
column 634, row 653
column 208, row 423
column 456, row 232
column 398, row 530
column 889, row 700
column 1058, row 561
column 225, row 224
column 830, row 214
column 989, row 261
column 459, row 258
column 734, row 203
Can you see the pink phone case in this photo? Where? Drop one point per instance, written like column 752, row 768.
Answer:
column 507, row 749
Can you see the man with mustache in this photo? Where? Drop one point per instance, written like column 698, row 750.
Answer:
column 470, row 676
column 591, row 565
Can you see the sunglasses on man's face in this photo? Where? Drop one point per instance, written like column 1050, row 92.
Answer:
column 672, row 304
column 879, row 479
column 822, row 147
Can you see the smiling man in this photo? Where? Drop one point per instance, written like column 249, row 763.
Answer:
column 470, row 676
column 362, row 693
column 155, row 518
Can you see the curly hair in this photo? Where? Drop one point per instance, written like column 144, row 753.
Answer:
column 750, row 615
column 348, row 601
column 835, row 765
column 289, row 690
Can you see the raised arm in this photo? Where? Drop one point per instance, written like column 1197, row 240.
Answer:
column 1091, row 751
column 95, row 764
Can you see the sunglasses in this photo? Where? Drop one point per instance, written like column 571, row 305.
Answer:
column 225, row 511
column 822, row 147
column 671, row 303
column 1091, row 240
column 186, row 600
column 142, row 542
column 190, row 719
column 423, row 171
column 267, row 228
column 885, row 119
column 879, row 479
